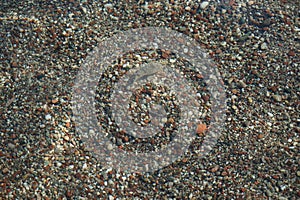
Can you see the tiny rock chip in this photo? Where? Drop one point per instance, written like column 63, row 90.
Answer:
column 291, row 53
column 242, row 84
column 250, row 100
column 11, row 146
column 214, row 169
column 277, row 98
column 260, row 136
column 68, row 124
column 125, row 139
column 200, row 129
column 218, row 51
column 14, row 64
column 5, row 170
column 110, row 146
column 250, row 3
column 264, row 46
column 224, row 173
column 54, row 101
column 48, row 117
column 204, row 4
column 67, row 138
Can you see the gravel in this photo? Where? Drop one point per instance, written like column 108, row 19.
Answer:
column 255, row 46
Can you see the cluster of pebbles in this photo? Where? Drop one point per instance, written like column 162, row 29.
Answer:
column 255, row 46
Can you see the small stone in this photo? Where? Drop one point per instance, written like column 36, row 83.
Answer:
column 68, row 124
column 201, row 128
column 54, row 101
column 5, row 170
column 110, row 197
column 260, row 136
column 224, row 173
column 218, row 51
column 182, row 28
column 84, row 166
column 69, row 193
column 234, row 91
column 84, row 10
column 188, row 8
column 110, row 146
column 291, row 53
column 264, row 46
column 242, row 84
column 125, row 139
column 204, row 4
column 214, row 169
column 277, row 98
column 14, row 64
column 11, row 146
column 268, row 193
column 250, row 3
column 67, row 138
column 108, row 5
column 250, row 100
column 205, row 98
column 164, row 120
column 298, row 173
column 48, row 117
column 58, row 164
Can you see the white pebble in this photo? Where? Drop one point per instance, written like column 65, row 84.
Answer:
column 110, row 146
column 84, row 166
column 58, row 164
column 110, row 197
column 204, row 4
column 264, row 46
column 48, row 117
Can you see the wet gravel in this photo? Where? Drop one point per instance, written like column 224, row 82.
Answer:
column 255, row 46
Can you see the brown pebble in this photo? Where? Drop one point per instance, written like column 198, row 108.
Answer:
column 214, row 169
column 68, row 124
column 218, row 51
column 260, row 136
column 201, row 128
column 291, row 53
column 5, row 170
column 224, row 173
column 165, row 54
column 54, row 101
column 234, row 91
column 125, row 139
column 14, row 64
column 205, row 98
column 184, row 160
column 69, row 193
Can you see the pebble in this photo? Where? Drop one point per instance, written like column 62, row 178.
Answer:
column 277, row 98
column 201, row 128
column 204, row 4
column 269, row 193
column 264, row 46
column 48, row 117
column 242, row 84
column 5, row 170
column 110, row 197
column 214, row 169
column 110, row 146
column 66, row 137
column 11, row 146
column 250, row 3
